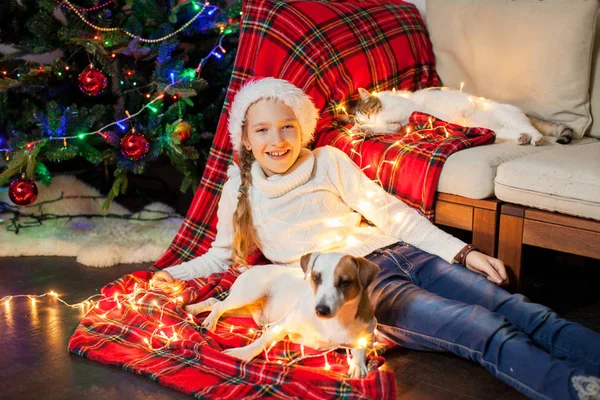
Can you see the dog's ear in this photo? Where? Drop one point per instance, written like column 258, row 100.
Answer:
column 367, row 271
column 364, row 94
column 305, row 262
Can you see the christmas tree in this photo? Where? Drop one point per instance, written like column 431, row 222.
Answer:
column 123, row 83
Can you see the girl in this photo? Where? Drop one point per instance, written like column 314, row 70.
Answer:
column 288, row 201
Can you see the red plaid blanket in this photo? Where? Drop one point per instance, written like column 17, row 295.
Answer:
column 408, row 163
column 329, row 49
column 148, row 333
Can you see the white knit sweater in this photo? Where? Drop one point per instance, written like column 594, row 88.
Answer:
column 317, row 206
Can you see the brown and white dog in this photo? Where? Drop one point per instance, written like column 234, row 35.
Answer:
column 331, row 310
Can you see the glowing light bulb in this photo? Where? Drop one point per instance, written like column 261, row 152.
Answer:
column 251, row 330
column 327, row 366
column 351, row 241
column 335, row 222
column 53, row 293
column 362, row 342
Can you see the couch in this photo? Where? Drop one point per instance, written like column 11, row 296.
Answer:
column 543, row 56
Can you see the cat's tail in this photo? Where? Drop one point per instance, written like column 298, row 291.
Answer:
column 562, row 132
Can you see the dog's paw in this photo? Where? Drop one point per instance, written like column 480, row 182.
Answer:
column 524, row 138
column 357, row 370
column 239, row 352
column 210, row 322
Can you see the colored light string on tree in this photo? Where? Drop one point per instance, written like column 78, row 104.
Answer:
column 141, row 39
column 119, row 123
column 30, row 145
column 95, row 8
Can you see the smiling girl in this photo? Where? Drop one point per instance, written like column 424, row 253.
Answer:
column 288, row 200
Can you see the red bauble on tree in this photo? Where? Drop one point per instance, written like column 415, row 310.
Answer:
column 183, row 130
column 92, row 81
column 22, row 191
column 134, row 146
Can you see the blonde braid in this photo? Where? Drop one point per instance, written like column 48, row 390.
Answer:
column 245, row 239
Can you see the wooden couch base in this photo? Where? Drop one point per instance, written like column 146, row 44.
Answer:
column 477, row 216
column 521, row 225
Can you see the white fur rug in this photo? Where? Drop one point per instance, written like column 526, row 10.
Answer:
column 96, row 242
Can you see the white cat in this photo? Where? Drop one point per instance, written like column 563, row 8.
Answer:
column 386, row 112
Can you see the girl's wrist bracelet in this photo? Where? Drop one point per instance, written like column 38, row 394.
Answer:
column 461, row 257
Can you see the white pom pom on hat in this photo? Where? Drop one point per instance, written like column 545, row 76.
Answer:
column 272, row 88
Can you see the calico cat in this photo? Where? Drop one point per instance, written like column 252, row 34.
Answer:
column 386, row 112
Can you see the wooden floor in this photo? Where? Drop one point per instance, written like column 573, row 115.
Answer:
column 35, row 363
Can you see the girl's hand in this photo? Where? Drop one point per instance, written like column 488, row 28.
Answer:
column 164, row 281
column 490, row 267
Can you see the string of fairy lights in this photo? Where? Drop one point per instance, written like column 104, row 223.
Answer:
column 163, row 335
column 89, row 9
column 197, row 6
column 217, row 51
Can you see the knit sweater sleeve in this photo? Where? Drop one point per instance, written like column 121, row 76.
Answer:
column 387, row 212
column 218, row 257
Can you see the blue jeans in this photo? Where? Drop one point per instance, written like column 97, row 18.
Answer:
column 424, row 303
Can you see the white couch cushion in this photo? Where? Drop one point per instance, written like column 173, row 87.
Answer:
column 471, row 172
column 534, row 54
column 565, row 180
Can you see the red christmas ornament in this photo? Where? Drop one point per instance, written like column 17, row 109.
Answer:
column 183, row 130
column 92, row 81
column 134, row 146
column 23, row 191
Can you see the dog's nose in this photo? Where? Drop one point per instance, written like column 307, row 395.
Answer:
column 322, row 310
